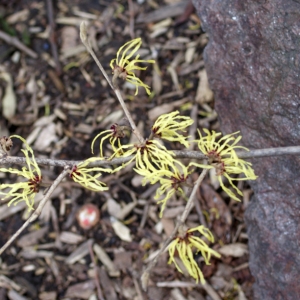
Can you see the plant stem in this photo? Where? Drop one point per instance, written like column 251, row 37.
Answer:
column 180, row 222
column 294, row 150
column 84, row 39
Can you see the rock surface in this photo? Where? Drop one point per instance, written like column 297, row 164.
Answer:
column 253, row 65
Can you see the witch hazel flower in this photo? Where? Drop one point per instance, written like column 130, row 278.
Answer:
column 23, row 190
column 87, row 176
column 150, row 155
column 124, row 64
column 114, row 134
column 171, row 127
column 172, row 180
column 184, row 246
column 223, row 158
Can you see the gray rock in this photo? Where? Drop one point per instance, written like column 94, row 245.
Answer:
column 253, row 65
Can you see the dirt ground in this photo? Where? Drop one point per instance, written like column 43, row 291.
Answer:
column 62, row 101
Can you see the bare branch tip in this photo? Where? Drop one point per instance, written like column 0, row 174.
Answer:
column 83, row 32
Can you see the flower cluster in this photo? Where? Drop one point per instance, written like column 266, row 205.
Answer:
column 124, row 65
column 151, row 155
column 82, row 175
column 171, row 179
column 85, row 174
column 153, row 161
column 173, row 174
column 24, row 190
column 185, row 243
column 222, row 157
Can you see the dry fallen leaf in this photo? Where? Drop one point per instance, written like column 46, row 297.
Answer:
column 156, row 80
column 113, row 207
column 214, row 181
column 168, row 225
column 82, row 290
column 190, row 52
column 165, row 108
column 235, row 250
column 9, row 101
column 19, row 16
column 46, row 137
column 69, row 38
column 32, row 238
column 204, row 93
column 68, row 237
column 121, row 230
column 105, row 259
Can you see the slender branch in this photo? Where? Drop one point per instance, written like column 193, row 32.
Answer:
column 16, row 43
column 277, row 151
column 293, row 150
column 146, row 273
column 38, row 210
column 131, row 18
column 84, row 39
column 52, row 36
column 190, row 202
column 200, row 212
column 180, row 222
column 129, row 117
